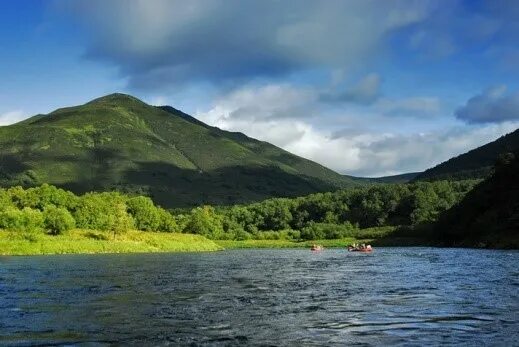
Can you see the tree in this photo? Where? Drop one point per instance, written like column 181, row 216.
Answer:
column 5, row 200
column 205, row 221
column 146, row 215
column 167, row 222
column 27, row 220
column 58, row 220
column 122, row 221
column 101, row 211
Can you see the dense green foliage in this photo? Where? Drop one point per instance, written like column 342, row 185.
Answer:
column 204, row 221
column 53, row 210
column 342, row 214
column 57, row 220
column 118, row 142
column 329, row 215
column 477, row 163
column 488, row 216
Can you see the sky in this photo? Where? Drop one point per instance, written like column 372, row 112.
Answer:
column 364, row 87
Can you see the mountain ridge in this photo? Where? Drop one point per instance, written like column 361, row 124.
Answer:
column 118, row 142
column 476, row 163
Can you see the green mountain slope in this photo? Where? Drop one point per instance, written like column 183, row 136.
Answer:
column 119, row 142
column 402, row 178
column 477, row 163
column 488, row 216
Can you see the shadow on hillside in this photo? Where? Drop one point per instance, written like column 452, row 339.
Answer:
column 100, row 170
column 171, row 186
column 488, row 215
column 14, row 172
column 105, row 169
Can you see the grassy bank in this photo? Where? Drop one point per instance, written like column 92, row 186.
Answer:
column 382, row 242
column 378, row 236
column 86, row 241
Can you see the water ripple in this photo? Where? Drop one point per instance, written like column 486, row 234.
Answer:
column 396, row 296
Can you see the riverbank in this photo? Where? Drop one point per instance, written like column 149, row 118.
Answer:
column 338, row 243
column 87, row 241
column 232, row 244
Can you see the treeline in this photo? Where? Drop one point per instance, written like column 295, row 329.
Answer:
column 317, row 216
column 53, row 210
column 329, row 215
column 488, row 216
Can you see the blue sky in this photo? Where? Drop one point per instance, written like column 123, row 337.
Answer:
column 364, row 87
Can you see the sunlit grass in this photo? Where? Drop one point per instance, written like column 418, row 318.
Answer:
column 87, row 241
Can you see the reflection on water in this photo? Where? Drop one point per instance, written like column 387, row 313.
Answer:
column 409, row 296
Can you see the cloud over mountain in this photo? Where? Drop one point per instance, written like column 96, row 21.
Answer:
column 493, row 105
column 12, row 117
column 349, row 146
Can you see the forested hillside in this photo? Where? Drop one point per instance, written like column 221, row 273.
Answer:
column 318, row 216
column 118, row 142
column 488, row 216
column 477, row 163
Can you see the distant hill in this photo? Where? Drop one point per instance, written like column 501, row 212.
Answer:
column 488, row 216
column 477, row 163
column 402, row 178
column 118, row 142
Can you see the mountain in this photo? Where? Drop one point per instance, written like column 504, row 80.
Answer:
column 477, row 163
column 488, row 216
column 118, row 142
column 402, row 178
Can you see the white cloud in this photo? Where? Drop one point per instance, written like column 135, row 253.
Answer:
column 366, row 91
column 264, row 102
column 12, row 117
column 362, row 152
column 412, row 106
column 157, row 100
column 491, row 106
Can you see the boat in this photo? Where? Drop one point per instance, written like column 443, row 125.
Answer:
column 366, row 249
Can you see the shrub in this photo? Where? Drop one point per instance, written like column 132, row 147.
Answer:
column 122, row 221
column 27, row 219
column 102, row 211
column 147, row 217
column 242, row 235
column 58, row 220
column 168, row 223
column 204, row 221
column 5, row 200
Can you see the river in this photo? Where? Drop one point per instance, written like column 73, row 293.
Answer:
column 395, row 296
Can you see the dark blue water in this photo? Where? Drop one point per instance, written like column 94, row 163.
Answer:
column 395, row 296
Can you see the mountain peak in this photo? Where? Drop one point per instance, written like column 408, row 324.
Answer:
column 118, row 142
column 115, row 98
